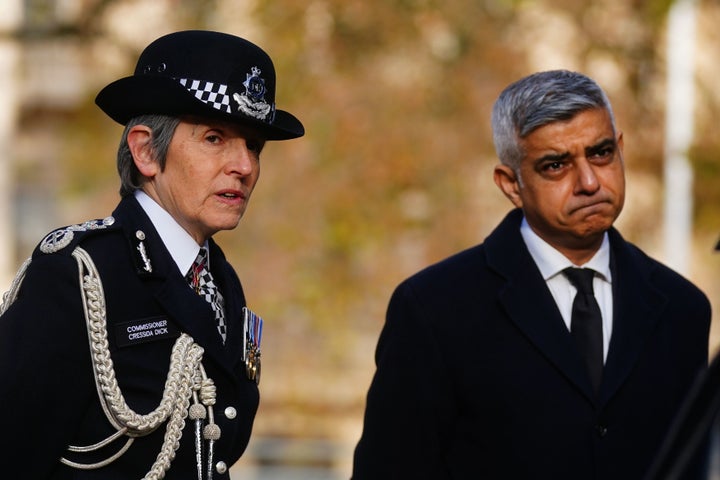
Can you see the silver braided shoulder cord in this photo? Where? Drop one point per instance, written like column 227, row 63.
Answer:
column 10, row 296
column 186, row 380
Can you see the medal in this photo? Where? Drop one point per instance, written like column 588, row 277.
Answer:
column 252, row 335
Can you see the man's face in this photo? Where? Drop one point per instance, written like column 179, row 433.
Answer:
column 572, row 180
column 210, row 171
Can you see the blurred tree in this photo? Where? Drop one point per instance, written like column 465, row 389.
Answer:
column 395, row 169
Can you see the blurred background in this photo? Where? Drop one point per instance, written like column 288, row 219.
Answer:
column 395, row 171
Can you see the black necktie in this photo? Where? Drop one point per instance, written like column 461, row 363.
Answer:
column 202, row 281
column 586, row 324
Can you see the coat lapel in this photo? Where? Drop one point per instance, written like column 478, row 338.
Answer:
column 637, row 306
column 530, row 305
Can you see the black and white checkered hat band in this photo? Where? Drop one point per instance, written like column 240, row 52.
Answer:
column 213, row 94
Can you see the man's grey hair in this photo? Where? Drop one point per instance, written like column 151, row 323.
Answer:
column 537, row 100
column 163, row 128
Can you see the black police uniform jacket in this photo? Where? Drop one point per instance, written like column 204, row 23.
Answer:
column 478, row 377
column 47, row 389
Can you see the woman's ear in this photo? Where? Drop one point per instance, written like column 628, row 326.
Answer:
column 508, row 182
column 139, row 141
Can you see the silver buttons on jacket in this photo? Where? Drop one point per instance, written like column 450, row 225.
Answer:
column 221, row 467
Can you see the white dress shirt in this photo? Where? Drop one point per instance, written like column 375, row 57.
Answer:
column 551, row 263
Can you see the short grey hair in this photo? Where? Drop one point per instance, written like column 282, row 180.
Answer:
column 537, row 100
column 163, row 128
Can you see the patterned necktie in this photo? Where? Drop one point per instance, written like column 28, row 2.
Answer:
column 586, row 324
column 201, row 280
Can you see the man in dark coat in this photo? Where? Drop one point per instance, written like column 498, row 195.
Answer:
column 127, row 349
column 482, row 369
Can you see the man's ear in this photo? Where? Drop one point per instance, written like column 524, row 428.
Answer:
column 507, row 181
column 138, row 139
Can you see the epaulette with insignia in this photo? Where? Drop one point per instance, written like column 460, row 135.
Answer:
column 62, row 237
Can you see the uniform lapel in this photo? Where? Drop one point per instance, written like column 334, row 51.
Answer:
column 530, row 305
column 229, row 285
column 165, row 282
column 193, row 315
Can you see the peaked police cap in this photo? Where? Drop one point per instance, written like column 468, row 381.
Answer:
column 204, row 73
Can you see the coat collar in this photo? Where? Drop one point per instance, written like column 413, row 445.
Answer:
column 636, row 303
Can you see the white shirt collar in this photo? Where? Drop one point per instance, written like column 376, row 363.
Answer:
column 550, row 261
column 182, row 247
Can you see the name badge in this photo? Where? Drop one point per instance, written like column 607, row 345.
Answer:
column 145, row 330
